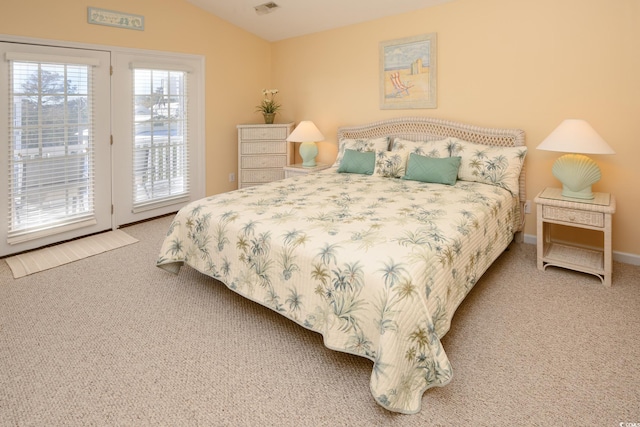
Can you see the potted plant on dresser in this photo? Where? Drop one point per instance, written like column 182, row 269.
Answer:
column 268, row 107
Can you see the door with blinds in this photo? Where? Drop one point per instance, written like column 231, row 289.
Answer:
column 158, row 154
column 55, row 156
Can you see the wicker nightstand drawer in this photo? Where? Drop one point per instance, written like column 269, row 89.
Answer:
column 256, row 162
column 594, row 219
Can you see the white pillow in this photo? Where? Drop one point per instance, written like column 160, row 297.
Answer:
column 375, row 144
column 499, row 166
column 437, row 148
column 391, row 164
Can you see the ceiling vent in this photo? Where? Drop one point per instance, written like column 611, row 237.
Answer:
column 265, row 8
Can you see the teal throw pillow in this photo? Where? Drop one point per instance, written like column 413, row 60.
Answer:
column 442, row 170
column 361, row 162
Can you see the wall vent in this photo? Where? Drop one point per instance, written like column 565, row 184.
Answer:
column 265, row 8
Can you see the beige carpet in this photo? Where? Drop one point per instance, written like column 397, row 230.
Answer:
column 112, row 340
column 54, row 256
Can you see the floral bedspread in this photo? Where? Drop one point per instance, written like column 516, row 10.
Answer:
column 376, row 265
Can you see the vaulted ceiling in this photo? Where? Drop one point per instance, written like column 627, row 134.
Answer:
column 292, row 18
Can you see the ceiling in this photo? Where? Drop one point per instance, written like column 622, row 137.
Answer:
column 294, row 18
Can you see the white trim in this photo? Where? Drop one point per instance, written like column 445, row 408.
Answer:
column 623, row 257
column 159, row 66
column 143, row 207
column 626, row 258
column 50, row 231
column 107, row 48
column 56, row 59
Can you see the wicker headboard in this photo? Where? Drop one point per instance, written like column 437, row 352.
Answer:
column 425, row 128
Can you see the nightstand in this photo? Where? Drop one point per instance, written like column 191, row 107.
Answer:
column 553, row 208
column 298, row 169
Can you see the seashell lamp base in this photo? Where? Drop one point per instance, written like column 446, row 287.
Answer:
column 577, row 173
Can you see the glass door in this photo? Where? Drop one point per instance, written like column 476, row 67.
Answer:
column 56, row 154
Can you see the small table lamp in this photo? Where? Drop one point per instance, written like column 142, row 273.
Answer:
column 575, row 171
column 308, row 134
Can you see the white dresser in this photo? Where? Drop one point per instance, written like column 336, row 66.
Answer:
column 263, row 151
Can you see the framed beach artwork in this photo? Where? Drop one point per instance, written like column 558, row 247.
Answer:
column 408, row 72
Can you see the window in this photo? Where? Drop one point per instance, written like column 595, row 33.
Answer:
column 51, row 147
column 160, row 145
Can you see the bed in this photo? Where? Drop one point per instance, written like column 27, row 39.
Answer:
column 377, row 261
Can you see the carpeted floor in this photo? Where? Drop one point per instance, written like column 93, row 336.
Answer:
column 113, row 340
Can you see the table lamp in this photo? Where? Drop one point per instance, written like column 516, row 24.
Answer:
column 576, row 171
column 308, row 134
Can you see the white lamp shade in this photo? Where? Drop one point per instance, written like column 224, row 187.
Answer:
column 306, row 131
column 575, row 136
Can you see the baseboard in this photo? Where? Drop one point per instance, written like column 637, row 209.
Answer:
column 623, row 257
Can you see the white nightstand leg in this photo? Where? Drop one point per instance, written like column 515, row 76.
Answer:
column 540, row 237
column 608, row 267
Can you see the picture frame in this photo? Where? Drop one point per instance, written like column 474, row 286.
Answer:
column 112, row 18
column 408, row 72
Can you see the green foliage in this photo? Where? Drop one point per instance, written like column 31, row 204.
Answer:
column 268, row 104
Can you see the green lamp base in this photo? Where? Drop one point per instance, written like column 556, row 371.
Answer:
column 577, row 173
column 308, row 152
column 585, row 193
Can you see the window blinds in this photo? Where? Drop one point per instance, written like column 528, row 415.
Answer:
column 51, row 146
column 160, row 146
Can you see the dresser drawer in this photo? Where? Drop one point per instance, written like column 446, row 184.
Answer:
column 264, row 147
column 261, row 175
column 594, row 219
column 261, row 133
column 256, row 162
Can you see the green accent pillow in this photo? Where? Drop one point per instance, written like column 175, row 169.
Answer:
column 431, row 169
column 361, row 162
column 375, row 144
